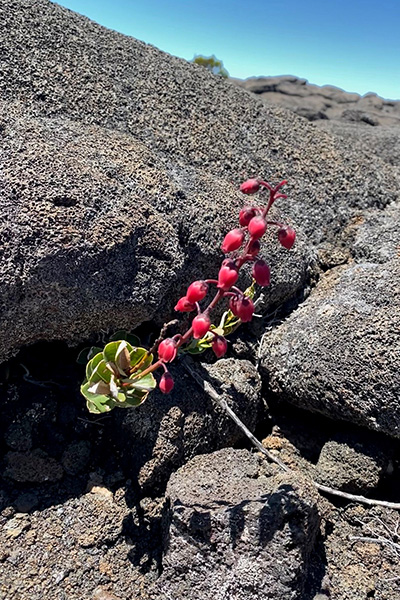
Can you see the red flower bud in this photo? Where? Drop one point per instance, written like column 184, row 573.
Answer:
column 201, row 324
column 219, row 346
column 254, row 248
column 196, row 291
column 167, row 350
column 183, row 305
column 261, row 273
column 257, row 227
column 242, row 307
column 166, row 383
column 251, row 186
column 246, row 215
column 286, row 237
column 232, row 241
column 228, row 275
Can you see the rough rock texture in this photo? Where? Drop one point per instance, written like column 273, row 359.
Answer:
column 353, row 466
column 358, row 569
column 377, row 238
column 384, row 141
column 323, row 102
column 339, row 352
column 236, row 533
column 43, row 552
column 167, row 431
column 119, row 174
column 75, row 550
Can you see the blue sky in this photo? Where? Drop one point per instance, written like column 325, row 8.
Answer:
column 353, row 44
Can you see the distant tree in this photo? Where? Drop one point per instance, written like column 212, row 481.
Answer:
column 211, row 63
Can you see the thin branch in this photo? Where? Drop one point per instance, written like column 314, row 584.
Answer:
column 208, row 388
column 355, row 498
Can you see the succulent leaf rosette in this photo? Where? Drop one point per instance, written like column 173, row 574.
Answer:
column 118, row 376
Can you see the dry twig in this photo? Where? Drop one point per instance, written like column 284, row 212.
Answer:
column 208, row 388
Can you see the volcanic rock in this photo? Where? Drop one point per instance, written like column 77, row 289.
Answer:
column 120, row 166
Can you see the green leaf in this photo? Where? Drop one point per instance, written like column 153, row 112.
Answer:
column 92, row 364
column 140, row 360
column 96, row 403
column 135, row 397
column 100, row 372
column 87, row 354
column 111, row 349
column 146, row 383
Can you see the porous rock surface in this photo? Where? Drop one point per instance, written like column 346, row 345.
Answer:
column 354, row 465
column 236, row 532
column 339, row 352
column 119, row 173
column 167, row 431
column 74, row 550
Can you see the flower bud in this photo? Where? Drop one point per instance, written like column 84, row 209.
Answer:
column 246, row 215
column 254, row 248
column 242, row 307
column 257, row 227
column 201, row 324
column 232, row 241
column 261, row 273
column 251, row 186
column 219, row 346
column 167, row 350
column 228, row 275
column 166, row 383
column 286, row 237
column 196, row 291
column 183, row 305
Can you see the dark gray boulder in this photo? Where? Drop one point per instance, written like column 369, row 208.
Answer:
column 119, row 173
column 236, row 531
column 354, row 463
column 339, row 352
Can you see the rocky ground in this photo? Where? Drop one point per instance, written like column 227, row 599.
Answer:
column 85, row 513
column 119, row 174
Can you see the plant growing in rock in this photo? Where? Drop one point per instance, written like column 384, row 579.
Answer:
column 121, row 374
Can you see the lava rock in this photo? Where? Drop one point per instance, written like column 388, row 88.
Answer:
column 32, row 467
column 236, row 532
column 76, row 457
column 351, row 465
column 339, row 352
column 115, row 196
column 167, row 430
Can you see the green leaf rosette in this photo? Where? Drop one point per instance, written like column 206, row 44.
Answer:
column 114, row 377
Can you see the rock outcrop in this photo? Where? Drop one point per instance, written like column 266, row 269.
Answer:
column 323, row 102
column 339, row 352
column 235, row 532
column 119, row 173
column 167, row 431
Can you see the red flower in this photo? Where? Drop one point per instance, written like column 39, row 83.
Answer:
column 261, row 273
column 251, row 186
column 166, row 383
column 201, row 324
column 196, row 291
column 286, row 237
column 167, row 350
column 232, row 241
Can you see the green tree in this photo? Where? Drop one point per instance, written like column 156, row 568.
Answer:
column 211, row 63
